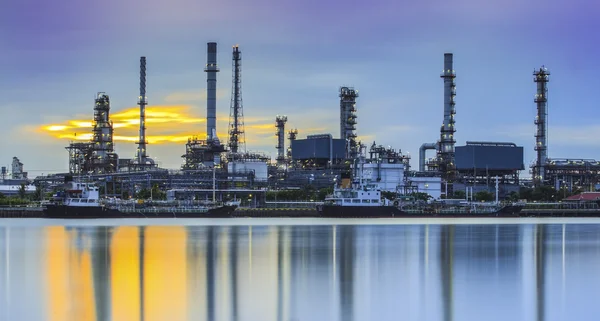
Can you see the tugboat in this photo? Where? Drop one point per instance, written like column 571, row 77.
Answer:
column 82, row 200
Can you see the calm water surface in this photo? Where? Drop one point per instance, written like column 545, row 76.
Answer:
column 297, row 273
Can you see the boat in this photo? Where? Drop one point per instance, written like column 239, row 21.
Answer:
column 82, row 200
column 362, row 199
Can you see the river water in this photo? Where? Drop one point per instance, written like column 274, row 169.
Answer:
column 300, row 270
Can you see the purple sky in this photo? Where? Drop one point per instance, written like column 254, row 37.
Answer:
column 56, row 55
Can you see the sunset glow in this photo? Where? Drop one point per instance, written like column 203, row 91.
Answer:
column 164, row 124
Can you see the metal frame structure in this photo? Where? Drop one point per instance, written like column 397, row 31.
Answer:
column 446, row 144
column 237, row 136
column 96, row 156
column 280, row 125
column 348, row 120
column 142, row 161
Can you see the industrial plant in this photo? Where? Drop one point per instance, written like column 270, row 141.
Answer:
column 225, row 169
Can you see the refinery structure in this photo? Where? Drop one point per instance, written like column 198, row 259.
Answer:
column 225, row 169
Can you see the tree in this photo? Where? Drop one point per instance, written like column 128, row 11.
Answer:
column 2, row 196
column 421, row 196
column 22, row 191
column 460, row 195
column 388, row 195
column 484, row 196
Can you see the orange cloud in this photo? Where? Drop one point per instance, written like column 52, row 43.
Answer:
column 165, row 124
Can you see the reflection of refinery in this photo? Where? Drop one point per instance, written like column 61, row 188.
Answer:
column 319, row 160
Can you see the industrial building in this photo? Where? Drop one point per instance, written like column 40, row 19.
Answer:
column 568, row 173
column 318, row 151
column 479, row 163
column 317, row 160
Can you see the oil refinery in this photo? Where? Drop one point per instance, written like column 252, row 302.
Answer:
column 212, row 167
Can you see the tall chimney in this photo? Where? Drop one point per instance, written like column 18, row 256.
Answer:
column 211, row 94
column 541, row 78
column 142, row 101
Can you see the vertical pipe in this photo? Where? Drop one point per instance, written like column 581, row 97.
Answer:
column 141, row 152
column 211, row 91
column 541, row 136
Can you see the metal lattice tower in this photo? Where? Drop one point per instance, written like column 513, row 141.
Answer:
column 541, row 78
column 237, row 137
column 141, row 155
column 348, row 120
column 280, row 125
column 447, row 141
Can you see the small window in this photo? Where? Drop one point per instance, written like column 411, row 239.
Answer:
column 365, row 201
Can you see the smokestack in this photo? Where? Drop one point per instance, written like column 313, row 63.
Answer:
column 541, row 78
column 211, row 91
column 142, row 101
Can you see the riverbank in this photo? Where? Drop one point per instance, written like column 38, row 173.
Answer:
column 21, row 212
column 37, row 212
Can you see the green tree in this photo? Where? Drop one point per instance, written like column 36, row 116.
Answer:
column 39, row 192
column 157, row 194
column 143, row 194
column 388, row 195
column 460, row 195
column 22, row 191
column 2, row 196
column 484, row 196
column 421, row 196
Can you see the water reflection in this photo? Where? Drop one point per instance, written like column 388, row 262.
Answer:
column 349, row 273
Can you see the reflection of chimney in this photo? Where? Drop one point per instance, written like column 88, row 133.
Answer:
column 211, row 91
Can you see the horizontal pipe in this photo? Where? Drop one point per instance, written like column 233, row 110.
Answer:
column 422, row 150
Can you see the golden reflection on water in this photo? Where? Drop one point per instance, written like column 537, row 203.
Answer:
column 178, row 273
column 125, row 278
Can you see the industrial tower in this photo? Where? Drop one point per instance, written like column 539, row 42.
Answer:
column 447, row 141
column 348, row 120
column 206, row 153
column 141, row 157
column 280, row 125
column 292, row 134
column 96, row 156
column 103, row 156
column 211, row 92
column 541, row 122
column 237, row 138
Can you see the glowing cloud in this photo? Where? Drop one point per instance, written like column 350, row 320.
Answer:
column 165, row 124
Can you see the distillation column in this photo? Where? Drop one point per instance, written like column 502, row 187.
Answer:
column 292, row 134
column 142, row 101
column 237, row 141
column 103, row 156
column 280, row 125
column 447, row 141
column 541, row 122
column 211, row 92
column 348, row 120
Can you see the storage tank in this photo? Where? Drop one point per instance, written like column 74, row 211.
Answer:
column 258, row 167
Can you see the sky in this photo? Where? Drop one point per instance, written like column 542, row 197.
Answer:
column 57, row 55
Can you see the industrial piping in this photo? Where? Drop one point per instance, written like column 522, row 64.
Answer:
column 211, row 92
column 422, row 150
column 142, row 101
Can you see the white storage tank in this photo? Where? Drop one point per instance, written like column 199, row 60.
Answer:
column 258, row 167
column 386, row 176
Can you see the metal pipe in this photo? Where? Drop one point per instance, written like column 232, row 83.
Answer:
column 142, row 101
column 422, row 150
column 211, row 91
